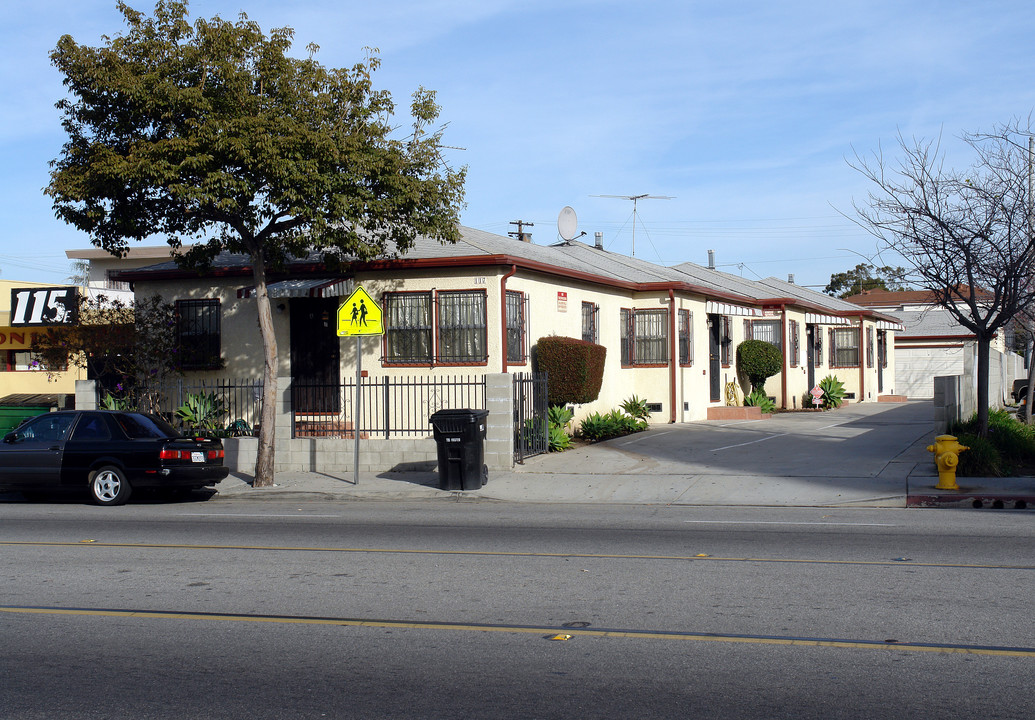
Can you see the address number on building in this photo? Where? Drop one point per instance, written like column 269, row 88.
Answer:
column 44, row 306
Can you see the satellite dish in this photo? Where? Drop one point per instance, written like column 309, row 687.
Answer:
column 567, row 223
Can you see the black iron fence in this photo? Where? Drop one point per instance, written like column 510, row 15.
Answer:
column 531, row 416
column 231, row 406
column 389, row 406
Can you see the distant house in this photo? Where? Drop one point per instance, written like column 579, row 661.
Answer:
column 932, row 342
column 480, row 305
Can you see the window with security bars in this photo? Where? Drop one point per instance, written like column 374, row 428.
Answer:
column 408, row 328
column 686, row 337
column 792, row 341
column 198, row 334
column 517, row 319
column 725, row 340
column 766, row 331
column 869, row 347
column 644, row 337
column 844, row 347
column 459, row 334
column 462, row 334
column 590, row 322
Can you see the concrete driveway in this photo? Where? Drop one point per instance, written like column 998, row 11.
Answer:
column 858, row 454
column 856, row 440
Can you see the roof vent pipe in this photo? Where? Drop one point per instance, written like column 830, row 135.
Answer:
column 790, row 278
column 598, row 238
column 711, row 259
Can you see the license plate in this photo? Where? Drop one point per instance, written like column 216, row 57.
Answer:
column 197, row 457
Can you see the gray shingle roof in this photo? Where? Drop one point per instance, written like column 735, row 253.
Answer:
column 575, row 257
column 932, row 322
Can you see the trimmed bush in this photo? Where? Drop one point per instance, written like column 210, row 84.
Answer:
column 575, row 369
column 982, row 460
column 758, row 361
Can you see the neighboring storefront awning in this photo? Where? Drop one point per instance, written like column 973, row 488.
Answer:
column 887, row 325
column 308, row 288
column 818, row 319
column 718, row 308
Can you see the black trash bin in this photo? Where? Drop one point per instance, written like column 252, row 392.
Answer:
column 460, row 440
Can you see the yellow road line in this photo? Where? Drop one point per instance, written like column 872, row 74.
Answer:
column 503, row 553
column 537, row 630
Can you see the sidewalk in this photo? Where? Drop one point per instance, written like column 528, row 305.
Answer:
column 906, row 481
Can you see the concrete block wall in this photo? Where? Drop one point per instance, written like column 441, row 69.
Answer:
column 948, row 406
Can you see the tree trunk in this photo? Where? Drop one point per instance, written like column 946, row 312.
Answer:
column 982, row 384
column 264, row 458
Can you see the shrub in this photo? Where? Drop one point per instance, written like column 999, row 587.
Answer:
column 575, row 369
column 202, row 411
column 759, row 361
column 636, row 408
column 981, row 460
column 758, row 398
column 559, row 418
column 1011, row 441
column 560, row 440
column 833, row 391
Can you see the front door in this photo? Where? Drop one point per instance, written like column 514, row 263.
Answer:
column 882, row 358
column 714, row 356
column 810, row 353
column 315, row 354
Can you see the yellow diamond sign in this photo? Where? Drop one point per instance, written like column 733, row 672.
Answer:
column 360, row 315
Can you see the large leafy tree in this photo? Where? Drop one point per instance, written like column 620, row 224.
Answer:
column 966, row 234
column 211, row 131
column 865, row 276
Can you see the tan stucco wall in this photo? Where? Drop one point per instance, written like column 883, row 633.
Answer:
column 548, row 314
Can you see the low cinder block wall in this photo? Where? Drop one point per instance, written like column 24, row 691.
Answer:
column 336, row 455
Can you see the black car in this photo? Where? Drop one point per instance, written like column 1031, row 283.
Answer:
column 109, row 453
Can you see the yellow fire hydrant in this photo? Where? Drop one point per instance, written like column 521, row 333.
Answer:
column 946, row 456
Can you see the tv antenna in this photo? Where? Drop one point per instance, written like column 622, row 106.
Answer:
column 636, row 198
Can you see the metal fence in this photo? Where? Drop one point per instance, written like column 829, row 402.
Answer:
column 531, row 416
column 233, row 405
column 390, row 406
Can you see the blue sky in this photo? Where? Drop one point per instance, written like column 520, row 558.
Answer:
column 743, row 112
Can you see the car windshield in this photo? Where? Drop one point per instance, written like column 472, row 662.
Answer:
column 138, row 426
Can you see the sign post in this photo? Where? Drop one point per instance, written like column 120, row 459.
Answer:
column 359, row 315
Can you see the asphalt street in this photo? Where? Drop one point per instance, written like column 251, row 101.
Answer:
column 294, row 608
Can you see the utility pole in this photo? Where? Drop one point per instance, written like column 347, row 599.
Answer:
column 521, row 234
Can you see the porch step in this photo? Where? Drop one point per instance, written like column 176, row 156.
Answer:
column 891, row 398
column 325, row 425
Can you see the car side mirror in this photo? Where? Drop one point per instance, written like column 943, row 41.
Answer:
column 10, row 437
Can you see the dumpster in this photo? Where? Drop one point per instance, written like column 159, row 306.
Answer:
column 460, row 440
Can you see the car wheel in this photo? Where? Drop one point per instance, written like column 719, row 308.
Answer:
column 108, row 486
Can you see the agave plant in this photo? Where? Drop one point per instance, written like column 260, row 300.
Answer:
column 833, row 391
column 758, row 398
column 202, row 411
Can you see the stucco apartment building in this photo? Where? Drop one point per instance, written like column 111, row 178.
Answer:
column 479, row 306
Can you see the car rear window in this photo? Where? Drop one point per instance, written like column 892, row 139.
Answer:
column 138, row 426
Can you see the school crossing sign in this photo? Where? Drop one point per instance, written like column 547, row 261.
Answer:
column 360, row 315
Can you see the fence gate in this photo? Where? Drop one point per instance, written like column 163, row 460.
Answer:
column 531, row 416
